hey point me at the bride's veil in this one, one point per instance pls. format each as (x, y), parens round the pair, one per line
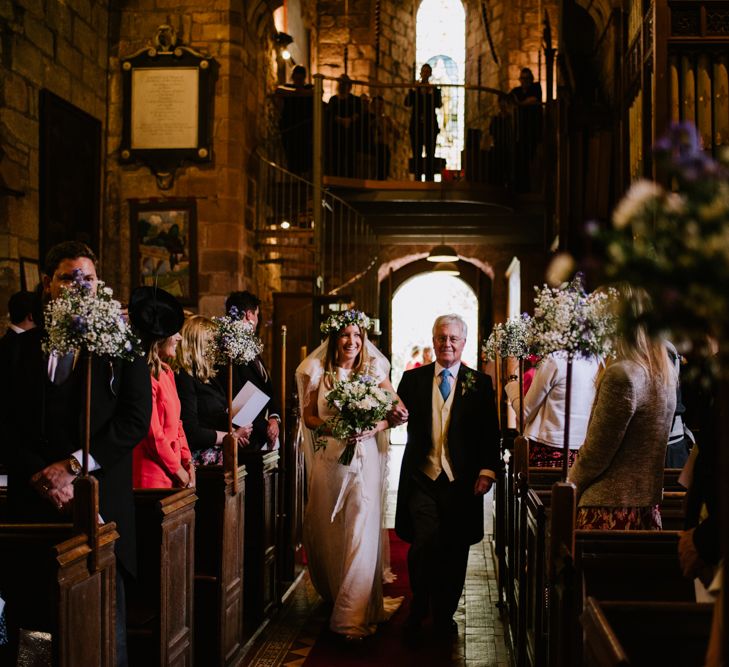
(309, 374)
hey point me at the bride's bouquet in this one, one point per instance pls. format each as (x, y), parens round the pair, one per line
(360, 404)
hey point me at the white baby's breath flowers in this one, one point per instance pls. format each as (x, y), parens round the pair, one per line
(641, 194)
(234, 341)
(512, 339)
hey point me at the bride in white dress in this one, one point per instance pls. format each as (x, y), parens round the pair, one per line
(343, 533)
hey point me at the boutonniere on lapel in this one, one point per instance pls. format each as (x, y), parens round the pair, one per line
(468, 382)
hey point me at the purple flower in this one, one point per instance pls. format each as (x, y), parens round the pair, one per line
(233, 312)
(79, 324)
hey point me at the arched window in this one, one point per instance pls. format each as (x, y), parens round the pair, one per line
(441, 42)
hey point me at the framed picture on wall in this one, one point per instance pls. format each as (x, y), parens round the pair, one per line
(164, 246)
(29, 274)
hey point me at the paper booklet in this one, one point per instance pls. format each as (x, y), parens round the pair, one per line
(248, 403)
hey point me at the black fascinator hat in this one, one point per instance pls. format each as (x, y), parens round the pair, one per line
(155, 313)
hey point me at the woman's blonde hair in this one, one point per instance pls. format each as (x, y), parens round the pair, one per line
(639, 346)
(154, 360)
(361, 363)
(192, 355)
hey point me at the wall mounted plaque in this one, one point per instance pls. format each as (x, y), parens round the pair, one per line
(168, 107)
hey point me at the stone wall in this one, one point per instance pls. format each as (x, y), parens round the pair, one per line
(239, 37)
(60, 46)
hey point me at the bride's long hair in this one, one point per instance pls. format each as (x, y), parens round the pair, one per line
(361, 363)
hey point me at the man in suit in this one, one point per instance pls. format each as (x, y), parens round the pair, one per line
(266, 424)
(20, 312)
(448, 465)
(42, 443)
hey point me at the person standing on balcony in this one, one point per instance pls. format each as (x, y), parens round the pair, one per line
(296, 117)
(528, 98)
(424, 100)
(344, 117)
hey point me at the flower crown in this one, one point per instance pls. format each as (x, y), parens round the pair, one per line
(338, 321)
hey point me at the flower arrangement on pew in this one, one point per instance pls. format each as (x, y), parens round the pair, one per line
(360, 405)
(234, 341)
(91, 321)
(568, 320)
(512, 339)
(675, 243)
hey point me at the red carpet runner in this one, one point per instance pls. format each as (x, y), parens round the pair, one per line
(388, 647)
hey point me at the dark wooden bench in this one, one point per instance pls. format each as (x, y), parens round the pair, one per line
(260, 589)
(160, 601)
(219, 548)
(609, 565)
(53, 584)
(644, 634)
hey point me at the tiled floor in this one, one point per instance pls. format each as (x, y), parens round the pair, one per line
(288, 638)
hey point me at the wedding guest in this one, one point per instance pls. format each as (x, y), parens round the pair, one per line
(427, 356)
(266, 425)
(424, 100)
(528, 98)
(619, 470)
(204, 404)
(44, 414)
(344, 114)
(414, 361)
(343, 532)
(545, 405)
(20, 313)
(162, 458)
(296, 103)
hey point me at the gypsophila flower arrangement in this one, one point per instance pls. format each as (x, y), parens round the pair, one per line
(567, 319)
(360, 405)
(512, 339)
(234, 341)
(84, 319)
(674, 242)
(338, 321)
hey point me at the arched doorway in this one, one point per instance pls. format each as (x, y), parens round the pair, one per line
(441, 42)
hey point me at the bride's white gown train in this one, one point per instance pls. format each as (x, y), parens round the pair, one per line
(343, 531)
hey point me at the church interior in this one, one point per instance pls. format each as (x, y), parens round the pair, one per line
(407, 159)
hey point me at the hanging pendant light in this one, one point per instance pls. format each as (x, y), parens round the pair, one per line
(447, 268)
(443, 253)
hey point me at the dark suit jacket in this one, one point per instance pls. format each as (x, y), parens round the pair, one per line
(473, 442)
(121, 409)
(249, 372)
(204, 410)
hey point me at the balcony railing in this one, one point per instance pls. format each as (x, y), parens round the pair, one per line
(408, 132)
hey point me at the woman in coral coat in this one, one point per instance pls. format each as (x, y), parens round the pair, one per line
(162, 459)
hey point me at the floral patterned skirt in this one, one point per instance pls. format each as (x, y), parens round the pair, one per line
(212, 456)
(544, 456)
(619, 518)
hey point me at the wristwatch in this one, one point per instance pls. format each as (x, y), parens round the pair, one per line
(74, 466)
(512, 378)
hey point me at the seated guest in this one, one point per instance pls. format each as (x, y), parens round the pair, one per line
(162, 459)
(265, 425)
(544, 407)
(42, 438)
(204, 403)
(619, 470)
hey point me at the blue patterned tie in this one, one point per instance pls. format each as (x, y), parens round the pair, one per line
(445, 383)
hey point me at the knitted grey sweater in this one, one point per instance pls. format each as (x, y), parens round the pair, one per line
(621, 462)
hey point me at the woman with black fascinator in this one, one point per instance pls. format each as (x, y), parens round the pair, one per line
(162, 459)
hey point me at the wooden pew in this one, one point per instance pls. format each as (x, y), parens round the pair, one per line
(160, 602)
(47, 576)
(260, 589)
(219, 544)
(643, 634)
(606, 564)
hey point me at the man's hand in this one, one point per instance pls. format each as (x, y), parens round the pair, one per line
(61, 499)
(482, 486)
(243, 433)
(272, 430)
(55, 476)
(398, 415)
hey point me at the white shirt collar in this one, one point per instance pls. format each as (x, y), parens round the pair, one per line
(453, 370)
(17, 330)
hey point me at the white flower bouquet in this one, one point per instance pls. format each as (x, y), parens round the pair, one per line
(513, 339)
(81, 319)
(360, 405)
(567, 319)
(234, 341)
